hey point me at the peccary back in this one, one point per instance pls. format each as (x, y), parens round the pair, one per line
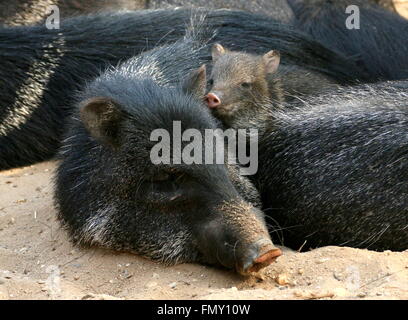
(334, 171)
(379, 40)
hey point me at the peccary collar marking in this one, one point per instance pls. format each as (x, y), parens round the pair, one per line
(30, 93)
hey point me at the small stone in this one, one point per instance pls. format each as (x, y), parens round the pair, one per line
(301, 271)
(362, 295)
(40, 282)
(282, 279)
(322, 260)
(76, 277)
(173, 285)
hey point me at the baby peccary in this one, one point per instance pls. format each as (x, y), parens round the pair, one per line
(242, 84)
(110, 194)
(333, 170)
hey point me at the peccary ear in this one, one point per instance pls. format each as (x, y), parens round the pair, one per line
(271, 61)
(102, 118)
(196, 82)
(217, 51)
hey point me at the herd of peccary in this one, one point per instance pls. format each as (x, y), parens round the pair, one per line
(329, 103)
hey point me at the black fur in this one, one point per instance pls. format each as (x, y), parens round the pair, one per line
(28, 12)
(381, 43)
(41, 69)
(334, 170)
(109, 193)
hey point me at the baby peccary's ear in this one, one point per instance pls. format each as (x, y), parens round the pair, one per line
(217, 51)
(102, 118)
(196, 82)
(271, 61)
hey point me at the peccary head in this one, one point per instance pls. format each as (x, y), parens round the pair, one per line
(239, 86)
(110, 193)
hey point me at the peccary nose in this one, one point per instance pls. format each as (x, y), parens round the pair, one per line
(259, 255)
(212, 100)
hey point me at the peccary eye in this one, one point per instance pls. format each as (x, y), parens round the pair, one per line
(211, 82)
(246, 85)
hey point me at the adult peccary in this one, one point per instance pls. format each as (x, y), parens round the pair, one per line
(28, 12)
(41, 69)
(240, 83)
(333, 169)
(109, 193)
(376, 37)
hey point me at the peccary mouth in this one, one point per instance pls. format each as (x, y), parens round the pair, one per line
(226, 110)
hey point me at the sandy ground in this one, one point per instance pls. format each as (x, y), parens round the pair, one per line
(402, 7)
(38, 262)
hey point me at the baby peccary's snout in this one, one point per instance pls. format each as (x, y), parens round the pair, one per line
(237, 238)
(212, 100)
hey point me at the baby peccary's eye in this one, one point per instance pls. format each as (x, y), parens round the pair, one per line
(211, 82)
(246, 85)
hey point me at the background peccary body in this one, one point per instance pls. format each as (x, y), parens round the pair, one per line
(379, 41)
(277, 9)
(109, 192)
(28, 12)
(241, 83)
(334, 170)
(388, 4)
(41, 69)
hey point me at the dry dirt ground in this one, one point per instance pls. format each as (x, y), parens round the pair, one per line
(38, 262)
(402, 7)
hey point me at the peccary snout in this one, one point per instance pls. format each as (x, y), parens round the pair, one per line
(237, 239)
(212, 100)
